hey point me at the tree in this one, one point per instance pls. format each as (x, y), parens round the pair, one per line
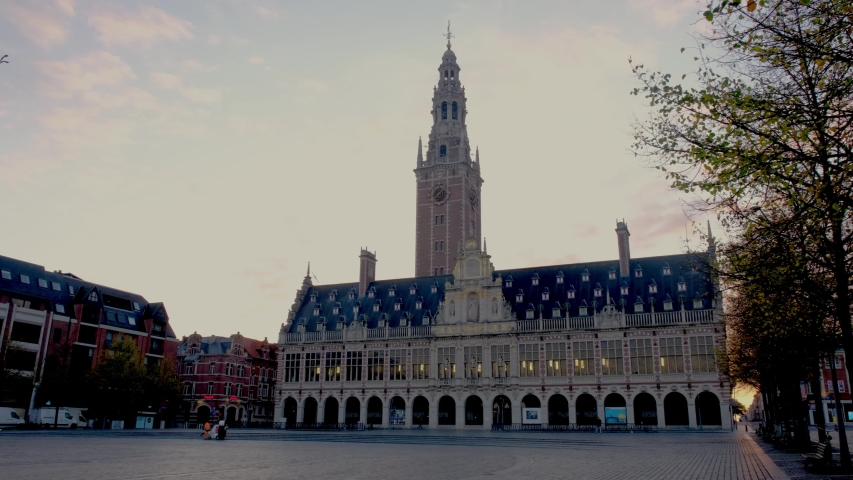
(767, 125)
(119, 378)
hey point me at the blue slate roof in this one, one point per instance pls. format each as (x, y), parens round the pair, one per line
(684, 268)
(56, 292)
(346, 298)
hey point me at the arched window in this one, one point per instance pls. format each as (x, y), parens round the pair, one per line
(455, 115)
(445, 74)
(442, 151)
(451, 74)
(444, 110)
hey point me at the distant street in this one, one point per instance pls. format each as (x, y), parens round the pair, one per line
(379, 455)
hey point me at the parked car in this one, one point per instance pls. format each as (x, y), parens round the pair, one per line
(10, 417)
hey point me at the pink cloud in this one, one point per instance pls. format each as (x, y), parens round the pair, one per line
(65, 6)
(40, 25)
(144, 28)
(84, 74)
(267, 13)
(666, 14)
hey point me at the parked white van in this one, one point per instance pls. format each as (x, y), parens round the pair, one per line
(46, 416)
(11, 417)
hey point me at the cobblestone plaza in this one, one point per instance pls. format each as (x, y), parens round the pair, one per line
(382, 455)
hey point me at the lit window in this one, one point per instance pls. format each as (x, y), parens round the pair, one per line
(7, 275)
(60, 308)
(42, 283)
(25, 279)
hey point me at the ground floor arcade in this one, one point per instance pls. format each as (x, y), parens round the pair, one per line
(468, 408)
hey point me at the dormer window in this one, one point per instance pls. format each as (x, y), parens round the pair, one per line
(598, 290)
(316, 311)
(653, 288)
(667, 271)
(535, 279)
(371, 293)
(697, 303)
(425, 320)
(624, 290)
(336, 309)
(382, 322)
(638, 272)
(351, 295)
(519, 297)
(611, 275)
(313, 297)
(556, 312)
(333, 295)
(93, 297)
(682, 287)
(638, 305)
(413, 290)
(419, 304)
(529, 314)
(377, 306)
(509, 282)
(582, 310)
(667, 304)
(404, 321)
(560, 278)
(546, 295)
(434, 288)
(397, 307)
(585, 276)
(392, 292)
(571, 293)
(356, 308)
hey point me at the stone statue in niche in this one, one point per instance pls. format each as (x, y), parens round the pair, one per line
(494, 306)
(452, 308)
(473, 307)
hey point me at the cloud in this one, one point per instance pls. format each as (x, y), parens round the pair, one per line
(256, 60)
(65, 6)
(665, 14)
(166, 81)
(312, 85)
(267, 13)
(40, 26)
(197, 66)
(85, 74)
(145, 28)
(214, 39)
(202, 96)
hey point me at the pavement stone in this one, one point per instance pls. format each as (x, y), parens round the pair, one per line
(379, 455)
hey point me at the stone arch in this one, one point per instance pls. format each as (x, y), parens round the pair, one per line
(675, 410)
(645, 410)
(708, 410)
(397, 411)
(474, 410)
(288, 410)
(309, 410)
(420, 411)
(374, 411)
(586, 409)
(558, 410)
(446, 410)
(231, 416)
(330, 411)
(352, 412)
(615, 409)
(502, 410)
(202, 414)
(531, 401)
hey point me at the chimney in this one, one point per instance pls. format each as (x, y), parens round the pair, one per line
(624, 248)
(366, 270)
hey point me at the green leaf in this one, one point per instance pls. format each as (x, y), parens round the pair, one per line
(709, 15)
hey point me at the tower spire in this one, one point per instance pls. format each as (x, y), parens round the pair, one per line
(420, 152)
(478, 154)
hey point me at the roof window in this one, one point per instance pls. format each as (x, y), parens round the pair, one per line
(509, 282)
(60, 308)
(71, 289)
(371, 293)
(392, 292)
(55, 286)
(25, 279)
(519, 297)
(332, 295)
(131, 320)
(397, 306)
(555, 311)
(529, 313)
(546, 295)
(42, 283)
(535, 279)
(666, 270)
(336, 309)
(653, 288)
(571, 292)
(93, 297)
(598, 291)
(638, 272)
(136, 307)
(585, 275)
(413, 290)
(697, 303)
(434, 288)
(611, 274)
(667, 303)
(420, 303)
(6, 274)
(638, 305)
(377, 306)
(316, 311)
(582, 309)
(560, 278)
(682, 287)
(351, 294)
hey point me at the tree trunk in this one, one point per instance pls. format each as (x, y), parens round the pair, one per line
(817, 388)
(839, 417)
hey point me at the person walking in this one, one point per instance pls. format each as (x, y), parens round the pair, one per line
(206, 433)
(220, 434)
(597, 424)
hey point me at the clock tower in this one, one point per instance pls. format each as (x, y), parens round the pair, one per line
(448, 179)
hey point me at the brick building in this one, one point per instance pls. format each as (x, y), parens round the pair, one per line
(230, 378)
(46, 315)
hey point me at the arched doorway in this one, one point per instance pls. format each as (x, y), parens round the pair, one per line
(474, 410)
(587, 409)
(558, 410)
(374, 411)
(309, 411)
(202, 414)
(531, 401)
(645, 410)
(330, 411)
(289, 411)
(708, 410)
(230, 416)
(675, 410)
(397, 411)
(446, 411)
(353, 412)
(420, 411)
(502, 410)
(240, 416)
(615, 410)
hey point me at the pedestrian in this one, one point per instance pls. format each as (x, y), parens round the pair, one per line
(206, 433)
(597, 424)
(222, 428)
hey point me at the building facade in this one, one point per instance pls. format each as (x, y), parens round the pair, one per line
(50, 317)
(462, 345)
(227, 378)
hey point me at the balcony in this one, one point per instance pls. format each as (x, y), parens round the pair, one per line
(529, 380)
(445, 382)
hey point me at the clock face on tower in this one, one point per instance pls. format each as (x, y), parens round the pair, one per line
(439, 194)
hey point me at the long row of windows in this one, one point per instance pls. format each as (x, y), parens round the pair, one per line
(640, 354)
(229, 389)
(192, 369)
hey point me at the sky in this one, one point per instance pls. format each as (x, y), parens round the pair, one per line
(201, 153)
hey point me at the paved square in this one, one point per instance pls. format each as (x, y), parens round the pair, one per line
(379, 455)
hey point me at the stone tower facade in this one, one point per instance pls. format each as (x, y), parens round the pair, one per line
(448, 179)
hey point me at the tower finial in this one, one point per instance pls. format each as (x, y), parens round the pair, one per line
(420, 152)
(308, 274)
(478, 154)
(485, 247)
(448, 35)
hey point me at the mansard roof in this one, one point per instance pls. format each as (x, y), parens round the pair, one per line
(686, 266)
(408, 303)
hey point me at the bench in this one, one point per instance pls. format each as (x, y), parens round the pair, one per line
(821, 457)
